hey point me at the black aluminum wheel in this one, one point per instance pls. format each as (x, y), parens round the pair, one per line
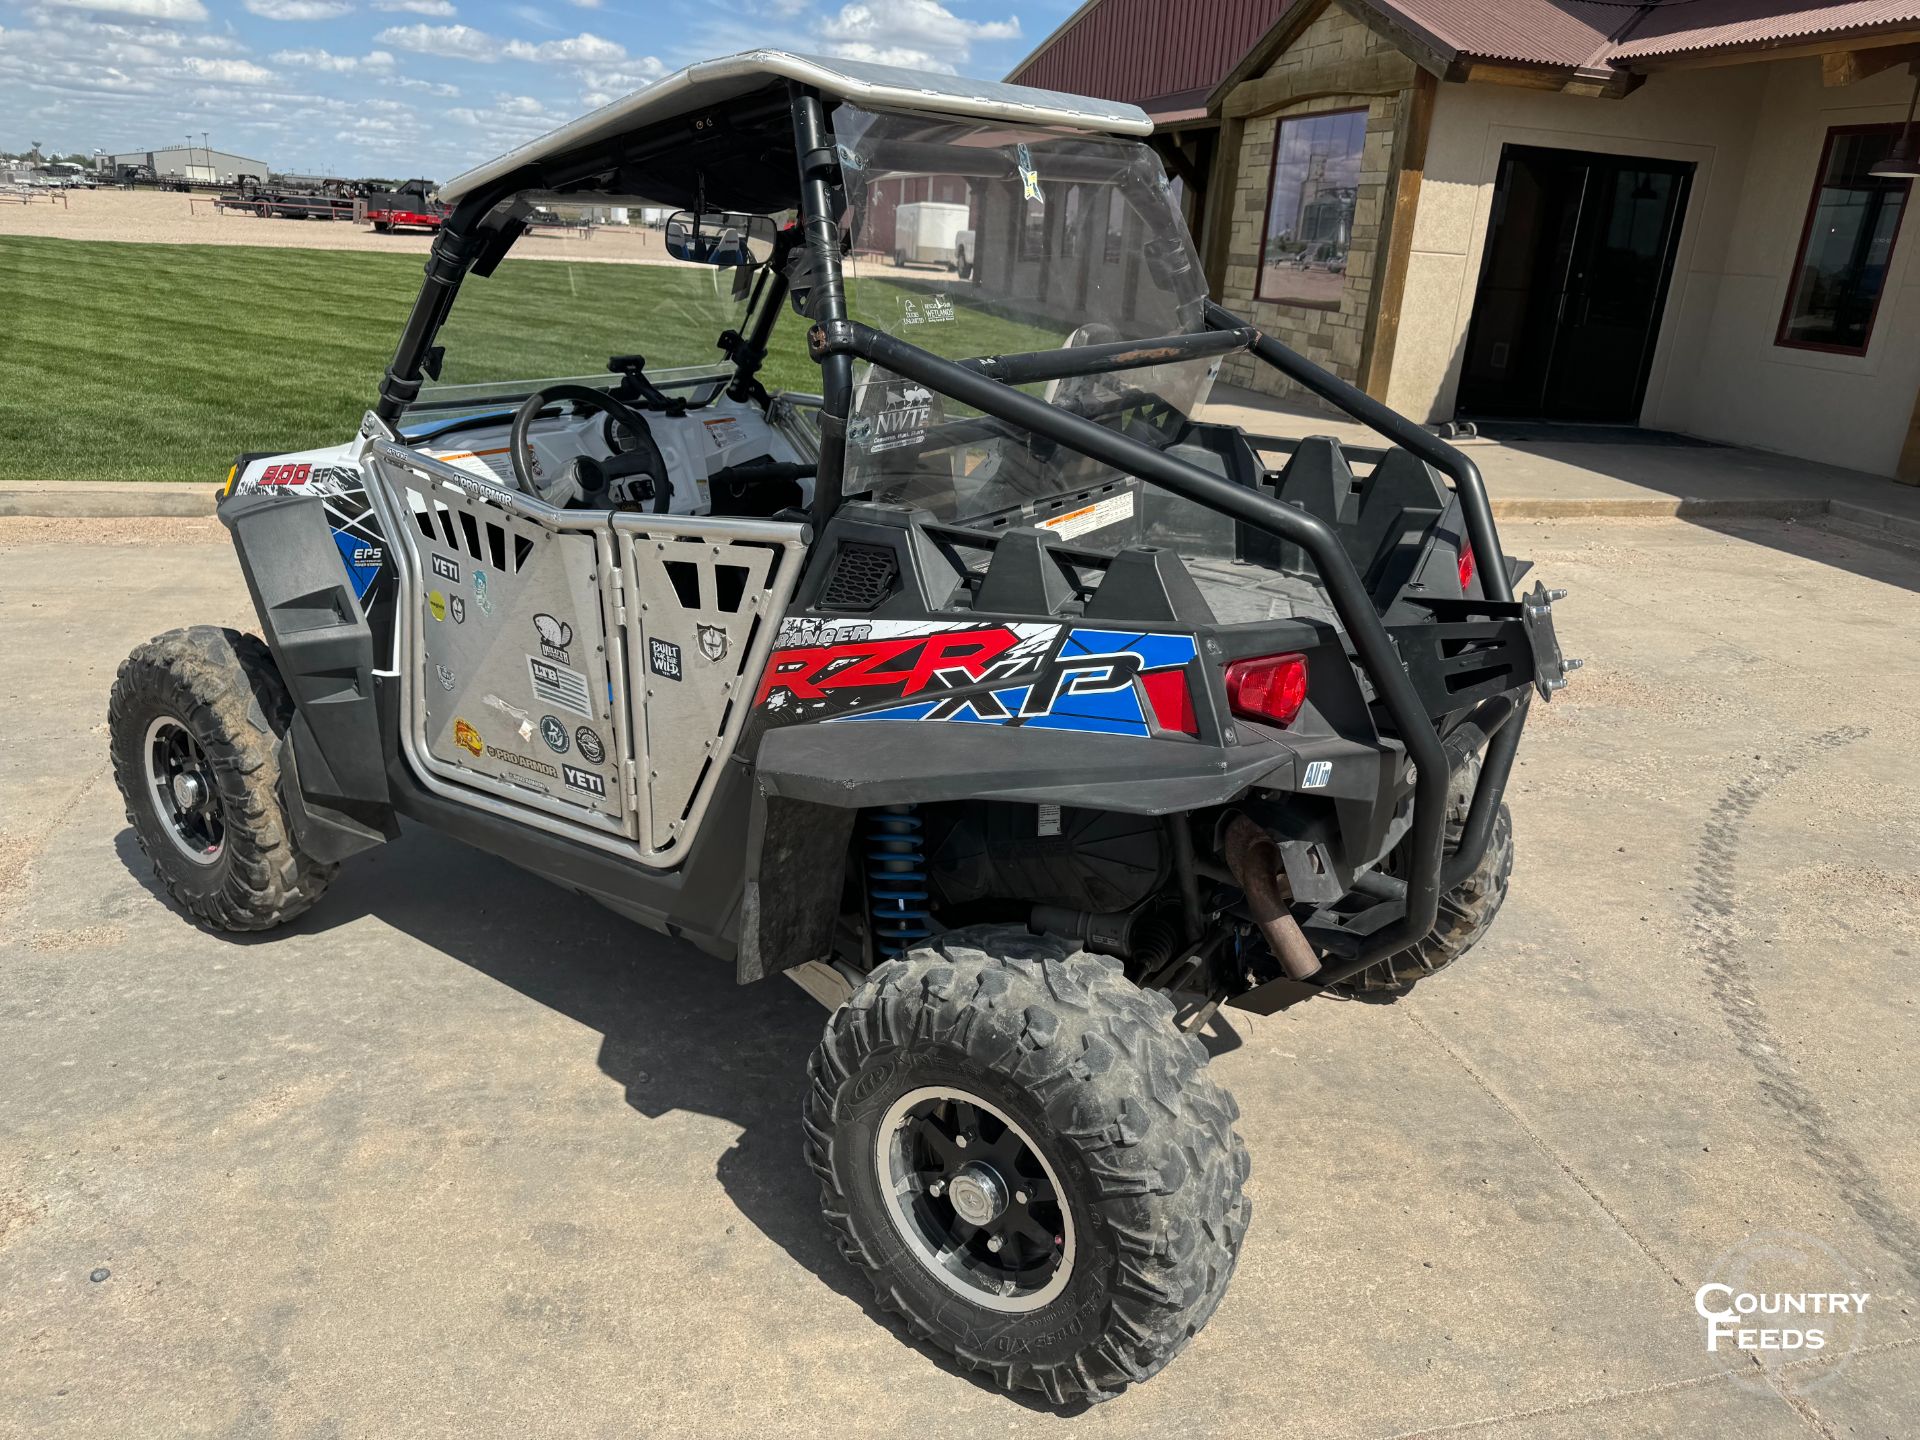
(1069, 1086)
(974, 1198)
(186, 801)
(195, 722)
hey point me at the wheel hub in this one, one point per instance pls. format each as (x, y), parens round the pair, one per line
(187, 791)
(978, 1194)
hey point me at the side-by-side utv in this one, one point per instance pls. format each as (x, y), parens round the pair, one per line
(926, 649)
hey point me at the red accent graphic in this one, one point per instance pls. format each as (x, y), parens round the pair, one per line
(286, 474)
(1171, 700)
(905, 665)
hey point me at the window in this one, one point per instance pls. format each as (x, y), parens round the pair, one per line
(1847, 245)
(1316, 178)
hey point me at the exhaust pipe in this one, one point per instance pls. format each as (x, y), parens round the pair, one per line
(1255, 862)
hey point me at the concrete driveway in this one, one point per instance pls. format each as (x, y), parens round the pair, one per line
(461, 1153)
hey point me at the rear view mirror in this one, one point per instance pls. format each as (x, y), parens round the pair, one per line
(720, 238)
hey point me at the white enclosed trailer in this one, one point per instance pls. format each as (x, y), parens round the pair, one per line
(923, 232)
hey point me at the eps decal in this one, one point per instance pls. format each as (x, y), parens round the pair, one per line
(1039, 676)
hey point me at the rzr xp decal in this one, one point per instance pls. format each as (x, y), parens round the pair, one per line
(1047, 677)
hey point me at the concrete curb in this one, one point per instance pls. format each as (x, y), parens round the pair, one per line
(106, 499)
(132, 499)
(1653, 507)
(1904, 528)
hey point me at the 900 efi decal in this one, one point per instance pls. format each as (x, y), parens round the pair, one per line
(343, 491)
(1045, 676)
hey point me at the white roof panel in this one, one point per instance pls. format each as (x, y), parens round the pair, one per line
(714, 82)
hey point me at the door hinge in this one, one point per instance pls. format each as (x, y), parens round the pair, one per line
(619, 598)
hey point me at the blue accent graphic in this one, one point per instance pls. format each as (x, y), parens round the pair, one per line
(361, 559)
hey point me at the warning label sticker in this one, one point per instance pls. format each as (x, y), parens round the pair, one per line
(1110, 511)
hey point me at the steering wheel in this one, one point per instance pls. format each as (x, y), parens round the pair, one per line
(586, 478)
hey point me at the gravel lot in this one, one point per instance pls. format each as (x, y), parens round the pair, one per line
(161, 217)
(461, 1153)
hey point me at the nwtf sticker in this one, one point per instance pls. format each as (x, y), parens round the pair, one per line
(560, 687)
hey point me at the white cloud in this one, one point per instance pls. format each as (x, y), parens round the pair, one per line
(374, 61)
(299, 9)
(587, 4)
(902, 57)
(463, 42)
(439, 9)
(460, 42)
(231, 72)
(144, 9)
(581, 49)
(918, 34)
(616, 80)
(430, 87)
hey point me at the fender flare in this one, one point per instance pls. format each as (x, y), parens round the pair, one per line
(311, 619)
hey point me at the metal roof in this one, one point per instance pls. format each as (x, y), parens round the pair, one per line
(1716, 24)
(714, 82)
(1163, 55)
(1609, 34)
(1535, 32)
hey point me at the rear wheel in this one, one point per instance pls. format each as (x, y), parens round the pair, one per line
(1466, 911)
(194, 719)
(1029, 1160)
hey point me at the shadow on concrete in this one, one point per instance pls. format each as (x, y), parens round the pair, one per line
(677, 1032)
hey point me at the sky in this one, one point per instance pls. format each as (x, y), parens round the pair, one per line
(425, 87)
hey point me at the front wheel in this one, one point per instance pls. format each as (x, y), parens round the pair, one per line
(194, 722)
(1029, 1160)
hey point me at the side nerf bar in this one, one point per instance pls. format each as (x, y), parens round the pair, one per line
(1351, 602)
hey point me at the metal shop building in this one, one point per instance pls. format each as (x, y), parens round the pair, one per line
(195, 163)
(1685, 216)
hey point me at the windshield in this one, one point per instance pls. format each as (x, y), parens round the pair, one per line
(586, 282)
(971, 239)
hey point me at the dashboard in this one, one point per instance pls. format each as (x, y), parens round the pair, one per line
(696, 447)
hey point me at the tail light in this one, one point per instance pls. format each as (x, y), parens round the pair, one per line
(1466, 566)
(1270, 688)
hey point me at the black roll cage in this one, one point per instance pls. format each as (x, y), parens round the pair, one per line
(986, 383)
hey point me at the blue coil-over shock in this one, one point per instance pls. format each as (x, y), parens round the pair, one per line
(896, 880)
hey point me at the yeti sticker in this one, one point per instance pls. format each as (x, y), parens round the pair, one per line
(713, 642)
(555, 636)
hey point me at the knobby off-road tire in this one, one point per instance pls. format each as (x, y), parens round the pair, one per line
(1118, 1104)
(1466, 911)
(221, 688)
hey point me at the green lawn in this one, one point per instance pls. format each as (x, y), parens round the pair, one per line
(163, 362)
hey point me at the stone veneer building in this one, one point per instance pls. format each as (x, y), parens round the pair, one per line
(1686, 217)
